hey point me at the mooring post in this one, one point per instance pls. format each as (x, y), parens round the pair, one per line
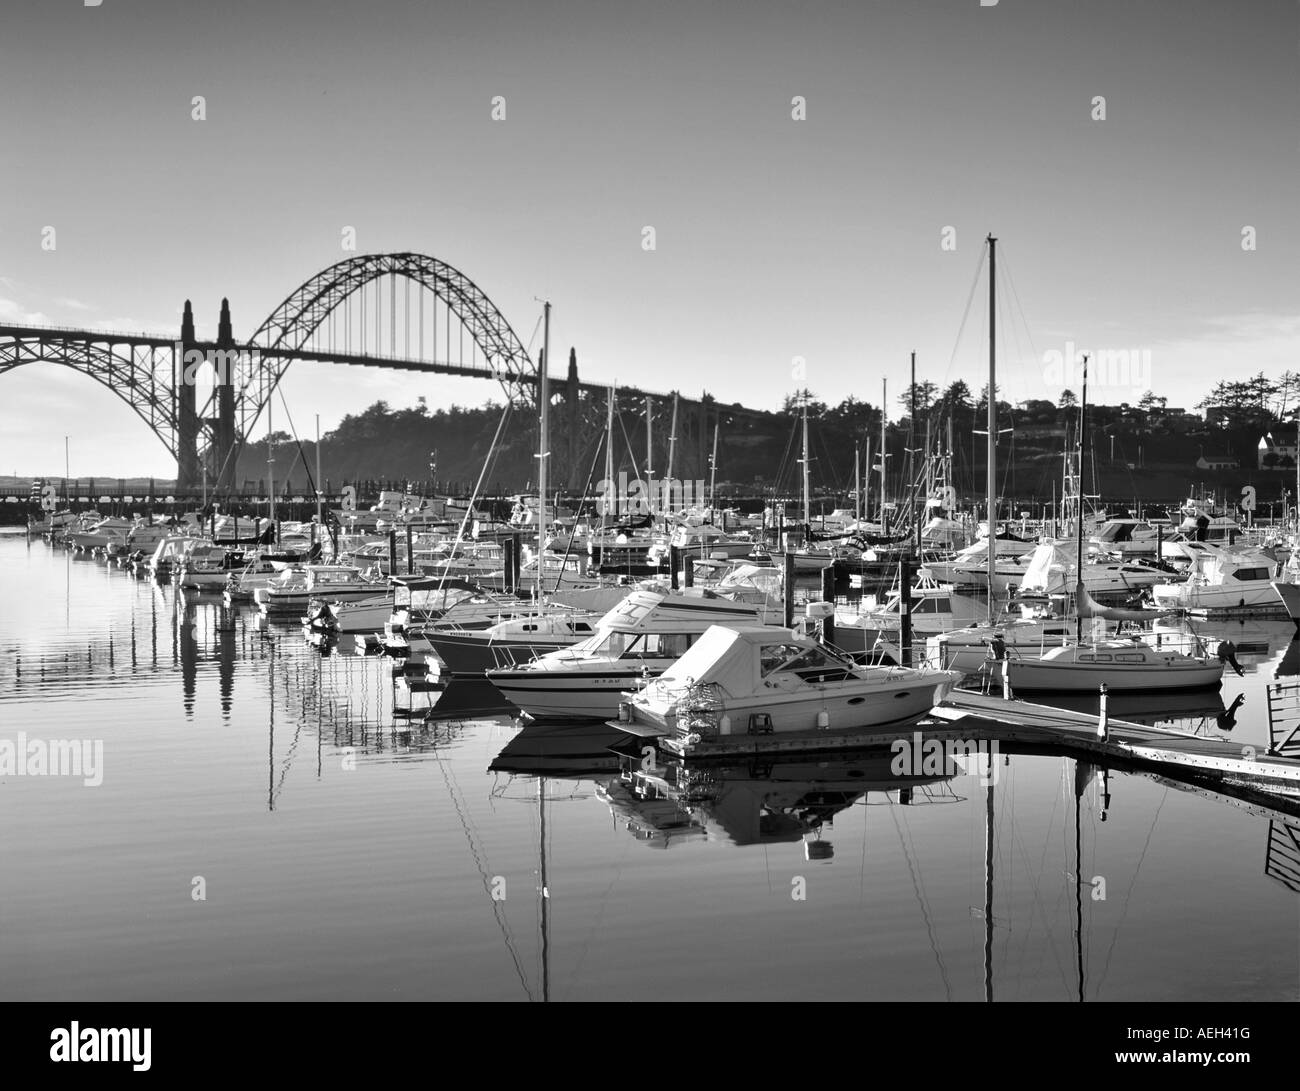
(905, 610)
(410, 551)
(392, 553)
(688, 570)
(787, 588)
(828, 597)
(674, 560)
(515, 562)
(1103, 720)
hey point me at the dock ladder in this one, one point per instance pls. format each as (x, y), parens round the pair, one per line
(1284, 719)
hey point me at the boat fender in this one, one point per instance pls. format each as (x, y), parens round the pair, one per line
(1227, 653)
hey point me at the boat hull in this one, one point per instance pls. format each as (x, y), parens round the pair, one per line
(1040, 676)
(568, 695)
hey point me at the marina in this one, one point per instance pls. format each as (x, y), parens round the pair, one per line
(627, 504)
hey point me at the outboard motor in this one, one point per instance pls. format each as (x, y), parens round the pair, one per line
(1227, 653)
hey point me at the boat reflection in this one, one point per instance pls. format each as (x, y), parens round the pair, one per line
(758, 803)
(1188, 710)
(1256, 640)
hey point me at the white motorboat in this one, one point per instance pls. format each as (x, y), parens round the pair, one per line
(510, 641)
(1223, 580)
(762, 680)
(968, 568)
(637, 640)
(1125, 538)
(105, 533)
(204, 567)
(1053, 570)
(291, 591)
(935, 609)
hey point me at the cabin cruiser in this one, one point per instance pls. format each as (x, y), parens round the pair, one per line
(204, 567)
(638, 639)
(968, 568)
(107, 532)
(291, 591)
(1125, 538)
(1052, 570)
(759, 680)
(1199, 524)
(935, 609)
(510, 641)
(1223, 579)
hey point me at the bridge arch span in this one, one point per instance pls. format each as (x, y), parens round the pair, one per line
(292, 325)
(142, 377)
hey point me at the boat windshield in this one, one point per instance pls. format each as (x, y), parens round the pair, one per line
(775, 658)
(644, 645)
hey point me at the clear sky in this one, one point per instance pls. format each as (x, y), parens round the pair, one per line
(775, 238)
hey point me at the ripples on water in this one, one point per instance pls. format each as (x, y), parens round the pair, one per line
(351, 848)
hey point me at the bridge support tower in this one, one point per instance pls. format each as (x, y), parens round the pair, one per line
(187, 418)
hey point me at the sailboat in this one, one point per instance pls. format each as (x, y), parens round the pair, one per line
(970, 647)
(1121, 664)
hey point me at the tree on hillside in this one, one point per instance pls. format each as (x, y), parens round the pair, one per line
(1067, 400)
(926, 392)
(792, 404)
(1150, 402)
(956, 399)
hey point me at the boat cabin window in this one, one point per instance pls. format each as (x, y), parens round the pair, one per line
(1089, 658)
(1251, 574)
(1130, 657)
(656, 646)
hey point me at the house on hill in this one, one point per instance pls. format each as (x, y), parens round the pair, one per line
(1216, 462)
(1274, 453)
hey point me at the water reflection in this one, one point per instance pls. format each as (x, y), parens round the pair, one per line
(307, 782)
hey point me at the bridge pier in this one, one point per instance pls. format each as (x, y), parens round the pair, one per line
(187, 418)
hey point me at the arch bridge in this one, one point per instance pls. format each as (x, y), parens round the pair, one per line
(405, 311)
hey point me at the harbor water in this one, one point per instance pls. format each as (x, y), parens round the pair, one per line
(278, 821)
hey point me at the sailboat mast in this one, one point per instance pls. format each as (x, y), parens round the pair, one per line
(911, 455)
(543, 435)
(807, 500)
(319, 487)
(992, 483)
(713, 463)
(611, 490)
(866, 479)
(649, 455)
(672, 439)
(270, 465)
(1078, 522)
(857, 484)
(884, 447)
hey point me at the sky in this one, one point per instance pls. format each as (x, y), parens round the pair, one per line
(776, 239)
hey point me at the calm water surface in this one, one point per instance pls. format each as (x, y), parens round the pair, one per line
(348, 849)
